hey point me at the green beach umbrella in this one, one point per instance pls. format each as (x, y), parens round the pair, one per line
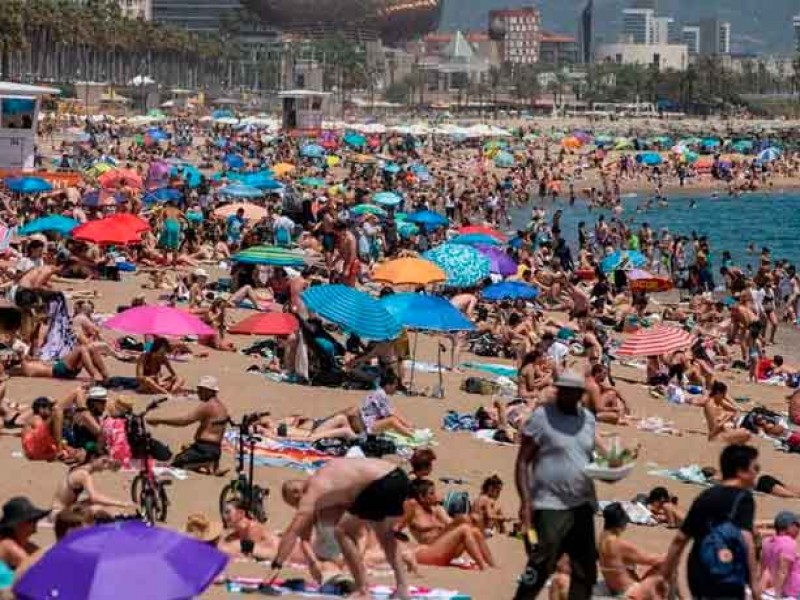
(270, 255)
(368, 209)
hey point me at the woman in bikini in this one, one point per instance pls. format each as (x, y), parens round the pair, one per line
(534, 376)
(722, 417)
(440, 539)
(79, 479)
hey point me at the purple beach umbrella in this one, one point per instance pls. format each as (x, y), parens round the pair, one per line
(126, 560)
(501, 263)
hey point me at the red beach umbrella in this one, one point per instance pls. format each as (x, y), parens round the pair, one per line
(655, 341)
(269, 323)
(483, 230)
(108, 231)
(130, 220)
(117, 178)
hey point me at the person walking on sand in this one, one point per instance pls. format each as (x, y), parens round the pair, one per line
(722, 562)
(557, 499)
(370, 489)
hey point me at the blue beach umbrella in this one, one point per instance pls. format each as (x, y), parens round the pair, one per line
(312, 151)
(355, 140)
(157, 135)
(424, 312)
(392, 168)
(649, 158)
(97, 198)
(427, 218)
(368, 209)
(28, 185)
(387, 198)
(475, 239)
(52, 223)
(237, 190)
(464, 265)
(769, 154)
(742, 146)
(162, 195)
(354, 311)
(625, 260)
(406, 229)
(234, 161)
(504, 160)
(188, 173)
(509, 290)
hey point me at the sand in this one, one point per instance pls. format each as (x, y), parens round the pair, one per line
(460, 455)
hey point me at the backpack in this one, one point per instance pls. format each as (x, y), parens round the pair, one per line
(457, 503)
(722, 551)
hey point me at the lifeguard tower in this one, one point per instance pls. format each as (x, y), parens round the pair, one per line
(19, 116)
(302, 111)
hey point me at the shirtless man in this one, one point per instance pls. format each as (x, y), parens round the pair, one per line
(245, 536)
(348, 253)
(721, 416)
(372, 490)
(603, 399)
(211, 417)
(619, 559)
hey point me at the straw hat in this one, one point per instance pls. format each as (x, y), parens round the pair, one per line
(201, 528)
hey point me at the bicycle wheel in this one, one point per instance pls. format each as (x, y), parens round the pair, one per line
(257, 500)
(230, 493)
(136, 489)
(149, 505)
(162, 503)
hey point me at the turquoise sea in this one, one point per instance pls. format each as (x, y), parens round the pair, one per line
(730, 223)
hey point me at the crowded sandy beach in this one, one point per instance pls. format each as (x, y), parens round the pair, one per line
(382, 360)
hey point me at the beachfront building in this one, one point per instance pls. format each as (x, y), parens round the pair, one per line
(638, 25)
(796, 23)
(713, 37)
(691, 37)
(137, 9)
(521, 31)
(557, 49)
(661, 56)
(194, 15)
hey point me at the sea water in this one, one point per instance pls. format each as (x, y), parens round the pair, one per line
(729, 223)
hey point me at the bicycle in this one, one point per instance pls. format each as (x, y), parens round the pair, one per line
(147, 491)
(243, 489)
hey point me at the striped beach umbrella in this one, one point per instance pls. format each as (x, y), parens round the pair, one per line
(354, 311)
(655, 341)
(270, 255)
(463, 265)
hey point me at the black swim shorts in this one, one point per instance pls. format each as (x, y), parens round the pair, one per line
(767, 483)
(197, 455)
(382, 498)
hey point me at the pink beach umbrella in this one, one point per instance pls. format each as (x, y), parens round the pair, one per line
(158, 320)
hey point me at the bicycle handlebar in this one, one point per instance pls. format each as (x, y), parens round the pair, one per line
(152, 406)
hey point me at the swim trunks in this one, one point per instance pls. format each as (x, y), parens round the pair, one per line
(767, 483)
(382, 498)
(197, 455)
(62, 371)
(171, 234)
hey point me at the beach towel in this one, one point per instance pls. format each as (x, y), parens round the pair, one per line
(658, 426)
(422, 366)
(687, 474)
(422, 439)
(299, 456)
(637, 512)
(455, 421)
(492, 368)
(311, 590)
(487, 435)
(60, 338)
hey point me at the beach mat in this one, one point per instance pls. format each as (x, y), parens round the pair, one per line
(274, 453)
(378, 592)
(491, 368)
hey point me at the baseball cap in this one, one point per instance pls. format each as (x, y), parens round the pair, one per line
(209, 382)
(785, 518)
(570, 379)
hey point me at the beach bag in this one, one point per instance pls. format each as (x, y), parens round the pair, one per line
(331, 446)
(723, 553)
(457, 503)
(377, 446)
(479, 385)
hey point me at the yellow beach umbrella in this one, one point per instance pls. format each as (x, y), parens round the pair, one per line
(333, 161)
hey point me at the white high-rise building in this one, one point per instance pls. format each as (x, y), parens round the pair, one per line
(724, 38)
(137, 9)
(691, 37)
(796, 23)
(637, 25)
(663, 31)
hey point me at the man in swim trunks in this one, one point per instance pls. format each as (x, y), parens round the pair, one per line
(370, 489)
(212, 418)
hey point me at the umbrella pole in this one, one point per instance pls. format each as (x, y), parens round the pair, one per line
(413, 363)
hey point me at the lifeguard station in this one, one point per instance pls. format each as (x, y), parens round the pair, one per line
(19, 116)
(302, 111)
